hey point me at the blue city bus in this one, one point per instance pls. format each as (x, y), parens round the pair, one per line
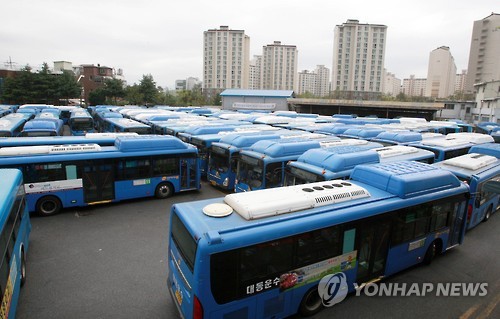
(60, 176)
(204, 140)
(263, 165)
(476, 170)
(388, 138)
(492, 149)
(12, 125)
(100, 114)
(263, 254)
(15, 231)
(453, 145)
(224, 155)
(124, 125)
(102, 139)
(81, 122)
(361, 133)
(43, 127)
(338, 162)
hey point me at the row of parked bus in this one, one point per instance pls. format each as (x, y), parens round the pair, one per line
(358, 204)
(45, 120)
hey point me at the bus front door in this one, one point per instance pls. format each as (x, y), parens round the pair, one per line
(98, 183)
(373, 247)
(189, 173)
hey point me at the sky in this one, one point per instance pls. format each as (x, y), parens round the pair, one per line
(165, 38)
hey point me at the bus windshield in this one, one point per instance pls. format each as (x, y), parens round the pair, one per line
(219, 159)
(250, 171)
(296, 176)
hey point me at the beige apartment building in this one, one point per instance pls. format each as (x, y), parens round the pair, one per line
(441, 73)
(225, 58)
(279, 67)
(358, 57)
(484, 56)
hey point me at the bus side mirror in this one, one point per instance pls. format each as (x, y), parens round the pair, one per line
(477, 202)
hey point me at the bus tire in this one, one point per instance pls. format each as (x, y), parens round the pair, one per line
(164, 190)
(48, 206)
(23, 268)
(311, 303)
(433, 250)
(488, 214)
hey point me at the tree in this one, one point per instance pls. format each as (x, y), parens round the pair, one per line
(114, 89)
(133, 95)
(67, 87)
(41, 87)
(97, 96)
(147, 88)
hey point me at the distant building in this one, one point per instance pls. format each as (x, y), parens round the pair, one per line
(484, 61)
(225, 59)
(460, 82)
(414, 86)
(487, 102)
(61, 66)
(316, 82)
(92, 77)
(256, 100)
(323, 84)
(392, 85)
(279, 66)
(188, 84)
(456, 110)
(255, 73)
(358, 57)
(441, 73)
(307, 82)
(180, 85)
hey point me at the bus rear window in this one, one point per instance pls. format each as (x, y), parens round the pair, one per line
(184, 241)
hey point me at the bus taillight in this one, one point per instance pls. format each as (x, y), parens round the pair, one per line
(197, 309)
(469, 212)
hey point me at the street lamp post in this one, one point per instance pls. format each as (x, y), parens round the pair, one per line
(82, 91)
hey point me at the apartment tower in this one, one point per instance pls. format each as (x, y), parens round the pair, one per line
(358, 57)
(279, 67)
(225, 59)
(441, 73)
(484, 55)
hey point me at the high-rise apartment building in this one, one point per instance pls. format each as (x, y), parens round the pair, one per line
(225, 58)
(307, 82)
(441, 73)
(484, 61)
(255, 73)
(414, 86)
(358, 57)
(323, 85)
(392, 85)
(460, 80)
(279, 67)
(316, 82)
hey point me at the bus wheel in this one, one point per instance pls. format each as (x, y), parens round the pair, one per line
(488, 214)
(48, 205)
(164, 190)
(430, 253)
(311, 303)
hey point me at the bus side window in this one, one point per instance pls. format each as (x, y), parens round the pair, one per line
(71, 172)
(349, 239)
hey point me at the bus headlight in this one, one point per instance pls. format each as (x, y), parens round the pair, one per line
(226, 182)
